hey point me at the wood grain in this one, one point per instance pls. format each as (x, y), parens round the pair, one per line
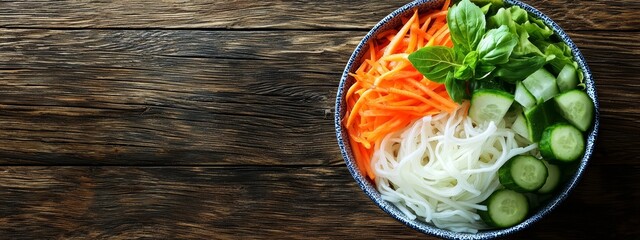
(232, 203)
(174, 97)
(169, 97)
(248, 14)
(214, 120)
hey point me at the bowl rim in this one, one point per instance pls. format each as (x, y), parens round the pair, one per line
(370, 190)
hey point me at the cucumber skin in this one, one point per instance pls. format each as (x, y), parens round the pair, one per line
(506, 179)
(536, 127)
(545, 145)
(484, 215)
(504, 175)
(546, 115)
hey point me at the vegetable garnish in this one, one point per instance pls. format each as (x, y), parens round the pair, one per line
(491, 46)
(479, 164)
(389, 93)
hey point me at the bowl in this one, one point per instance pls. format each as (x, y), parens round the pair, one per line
(393, 20)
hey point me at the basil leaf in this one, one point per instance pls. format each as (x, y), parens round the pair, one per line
(459, 54)
(466, 25)
(484, 71)
(464, 73)
(455, 88)
(496, 46)
(434, 62)
(519, 67)
(468, 68)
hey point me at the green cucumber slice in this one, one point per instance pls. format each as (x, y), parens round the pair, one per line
(542, 85)
(505, 208)
(553, 179)
(576, 107)
(567, 78)
(523, 96)
(520, 126)
(489, 105)
(523, 173)
(562, 142)
(538, 118)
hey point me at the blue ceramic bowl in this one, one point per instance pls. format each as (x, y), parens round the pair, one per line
(393, 20)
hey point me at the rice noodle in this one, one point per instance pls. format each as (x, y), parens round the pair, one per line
(440, 168)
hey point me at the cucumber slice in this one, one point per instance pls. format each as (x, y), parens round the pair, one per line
(536, 122)
(505, 208)
(567, 78)
(553, 179)
(538, 118)
(562, 142)
(542, 85)
(523, 173)
(576, 107)
(489, 105)
(523, 96)
(520, 126)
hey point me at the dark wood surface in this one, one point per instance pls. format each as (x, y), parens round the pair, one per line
(214, 119)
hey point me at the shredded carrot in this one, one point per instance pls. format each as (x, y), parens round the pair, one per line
(446, 5)
(389, 93)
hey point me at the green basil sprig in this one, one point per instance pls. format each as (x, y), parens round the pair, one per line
(493, 46)
(434, 62)
(466, 25)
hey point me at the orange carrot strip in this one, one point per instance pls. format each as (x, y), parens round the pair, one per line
(425, 24)
(386, 75)
(396, 57)
(448, 42)
(436, 26)
(386, 33)
(400, 35)
(418, 97)
(399, 108)
(439, 34)
(372, 51)
(352, 89)
(446, 5)
(438, 14)
(406, 102)
(442, 37)
(357, 106)
(413, 36)
(432, 94)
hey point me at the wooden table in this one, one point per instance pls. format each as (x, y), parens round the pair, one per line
(191, 119)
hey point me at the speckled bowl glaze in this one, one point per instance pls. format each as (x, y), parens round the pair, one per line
(393, 20)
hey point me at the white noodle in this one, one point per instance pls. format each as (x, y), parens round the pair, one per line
(442, 167)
